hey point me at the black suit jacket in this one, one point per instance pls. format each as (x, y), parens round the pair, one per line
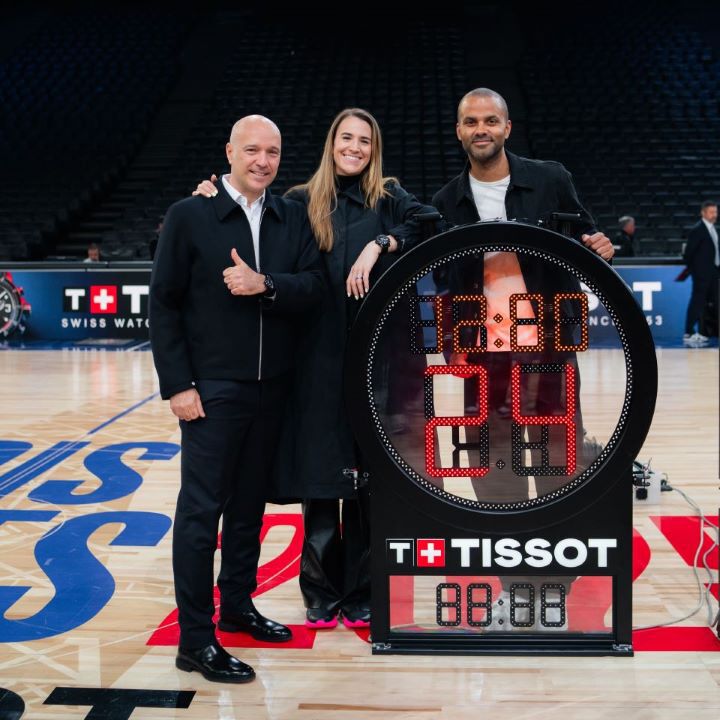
(628, 246)
(699, 253)
(537, 189)
(198, 329)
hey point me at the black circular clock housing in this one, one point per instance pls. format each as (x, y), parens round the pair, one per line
(484, 409)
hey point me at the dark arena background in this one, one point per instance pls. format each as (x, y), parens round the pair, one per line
(111, 113)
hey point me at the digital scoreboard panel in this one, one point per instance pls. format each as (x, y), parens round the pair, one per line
(499, 444)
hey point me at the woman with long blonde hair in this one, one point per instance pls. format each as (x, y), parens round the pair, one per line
(361, 221)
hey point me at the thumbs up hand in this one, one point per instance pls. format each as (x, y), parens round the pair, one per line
(237, 259)
(241, 279)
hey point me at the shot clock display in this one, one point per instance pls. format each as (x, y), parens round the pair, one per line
(499, 444)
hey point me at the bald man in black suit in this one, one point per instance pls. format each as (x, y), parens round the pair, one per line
(230, 280)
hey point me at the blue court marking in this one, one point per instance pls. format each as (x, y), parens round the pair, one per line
(122, 414)
(59, 452)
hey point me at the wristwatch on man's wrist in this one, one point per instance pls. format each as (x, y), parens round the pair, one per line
(269, 286)
(383, 242)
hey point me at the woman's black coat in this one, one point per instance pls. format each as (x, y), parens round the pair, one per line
(317, 447)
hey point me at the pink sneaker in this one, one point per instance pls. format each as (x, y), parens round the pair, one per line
(320, 619)
(356, 617)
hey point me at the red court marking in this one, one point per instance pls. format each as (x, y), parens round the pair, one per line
(363, 634)
(676, 639)
(303, 638)
(592, 596)
(641, 555)
(286, 565)
(683, 533)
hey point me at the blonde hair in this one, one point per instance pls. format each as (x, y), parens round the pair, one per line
(320, 188)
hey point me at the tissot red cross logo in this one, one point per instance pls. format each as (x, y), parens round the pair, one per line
(103, 299)
(430, 552)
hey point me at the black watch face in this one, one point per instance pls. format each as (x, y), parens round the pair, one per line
(485, 386)
(383, 241)
(10, 308)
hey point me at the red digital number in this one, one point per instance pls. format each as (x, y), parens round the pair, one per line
(463, 371)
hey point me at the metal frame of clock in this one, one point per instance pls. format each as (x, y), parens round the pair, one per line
(499, 525)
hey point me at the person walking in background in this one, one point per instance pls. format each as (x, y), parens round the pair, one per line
(702, 258)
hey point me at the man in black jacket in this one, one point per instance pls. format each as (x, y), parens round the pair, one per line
(230, 277)
(626, 244)
(702, 258)
(498, 185)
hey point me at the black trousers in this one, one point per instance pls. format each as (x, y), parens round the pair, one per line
(224, 470)
(704, 292)
(335, 563)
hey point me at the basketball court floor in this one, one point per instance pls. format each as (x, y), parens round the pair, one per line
(89, 472)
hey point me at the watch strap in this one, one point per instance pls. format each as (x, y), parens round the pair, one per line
(269, 286)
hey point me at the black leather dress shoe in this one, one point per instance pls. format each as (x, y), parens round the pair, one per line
(214, 663)
(253, 623)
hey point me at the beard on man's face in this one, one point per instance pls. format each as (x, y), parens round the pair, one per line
(484, 154)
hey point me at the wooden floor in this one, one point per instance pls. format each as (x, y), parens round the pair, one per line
(101, 565)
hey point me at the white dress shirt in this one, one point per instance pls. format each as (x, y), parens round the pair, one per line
(254, 214)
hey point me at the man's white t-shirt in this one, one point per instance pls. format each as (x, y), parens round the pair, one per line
(502, 276)
(490, 198)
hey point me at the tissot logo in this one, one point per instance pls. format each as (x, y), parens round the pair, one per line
(106, 299)
(498, 553)
(430, 552)
(103, 299)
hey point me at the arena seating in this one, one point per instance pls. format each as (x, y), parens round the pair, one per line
(281, 70)
(91, 152)
(77, 98)
(629, 103)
